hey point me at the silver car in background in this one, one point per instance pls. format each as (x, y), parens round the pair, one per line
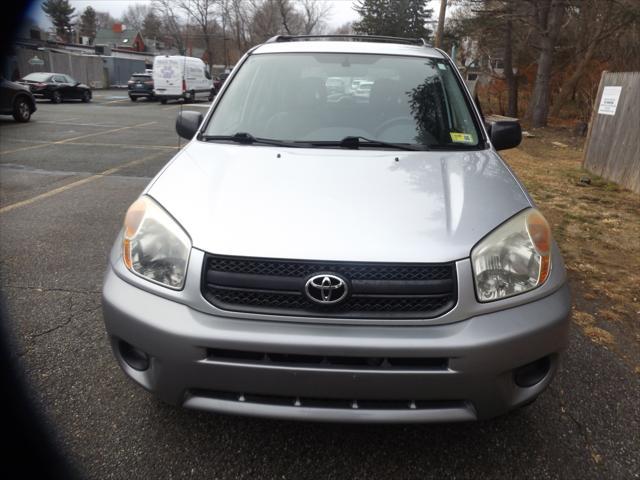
(320, 255)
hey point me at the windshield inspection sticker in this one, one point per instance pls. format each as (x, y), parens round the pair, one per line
(461, 137)
(609, 100)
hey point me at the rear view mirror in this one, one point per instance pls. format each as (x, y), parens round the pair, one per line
(505, 134)
(187, 123)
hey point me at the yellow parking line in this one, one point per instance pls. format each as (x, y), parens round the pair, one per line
(95, 144)
(67, 140)
(77, 183)
(102, 133)
(125, 145)
(117, 101)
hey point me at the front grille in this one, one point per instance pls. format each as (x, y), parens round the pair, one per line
(351, 270)
(374, 290)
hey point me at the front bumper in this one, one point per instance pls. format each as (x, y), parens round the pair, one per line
(173, 95)
(477, 382)
(141, 93)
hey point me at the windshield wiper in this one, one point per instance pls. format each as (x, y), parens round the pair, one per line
(357, 142)
(248, 139)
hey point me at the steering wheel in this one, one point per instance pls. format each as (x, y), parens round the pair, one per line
(392, 122)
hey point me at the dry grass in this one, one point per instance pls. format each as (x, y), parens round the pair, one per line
(597, 227)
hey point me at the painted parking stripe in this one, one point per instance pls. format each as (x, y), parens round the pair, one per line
(95, 144)
(77, 183)
(67, 140)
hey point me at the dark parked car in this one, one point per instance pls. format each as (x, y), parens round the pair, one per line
(16, 100)
(141, 85)
(56, 87)
(218, 82)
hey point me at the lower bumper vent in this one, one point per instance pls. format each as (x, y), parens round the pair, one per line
(331, 403)
(327, 362)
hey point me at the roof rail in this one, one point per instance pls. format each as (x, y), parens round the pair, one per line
(353, 38)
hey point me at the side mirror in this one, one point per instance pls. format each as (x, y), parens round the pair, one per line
(505, 134)
(187, 123)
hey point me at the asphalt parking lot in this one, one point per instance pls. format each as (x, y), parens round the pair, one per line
(66, 179)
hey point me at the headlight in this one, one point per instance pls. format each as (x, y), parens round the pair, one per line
(514, 258)
(154, 245)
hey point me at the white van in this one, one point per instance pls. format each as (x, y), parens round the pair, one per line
(181, 77)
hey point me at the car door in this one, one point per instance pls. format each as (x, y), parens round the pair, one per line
(61, 85)
(6, 96)
(207, 80)
(190, 78)
(72, 85)
(202, 78)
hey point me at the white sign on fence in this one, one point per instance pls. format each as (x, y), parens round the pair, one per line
(609, 100)
(35, 61)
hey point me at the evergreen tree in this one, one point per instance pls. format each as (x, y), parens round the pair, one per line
(398, 18)
(88, 22)
(417, 15)
(61, 13)
(373, 16)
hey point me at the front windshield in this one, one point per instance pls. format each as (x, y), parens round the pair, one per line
(38, 77)
(325, 97)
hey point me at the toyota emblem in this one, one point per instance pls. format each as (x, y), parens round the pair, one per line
(326, 289)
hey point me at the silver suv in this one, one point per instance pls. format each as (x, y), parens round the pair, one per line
(341, 254)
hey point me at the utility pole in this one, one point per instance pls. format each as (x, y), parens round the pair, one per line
(440, 30)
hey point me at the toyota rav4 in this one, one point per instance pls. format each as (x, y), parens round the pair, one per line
(339, 254)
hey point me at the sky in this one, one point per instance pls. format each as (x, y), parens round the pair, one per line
(341, 10)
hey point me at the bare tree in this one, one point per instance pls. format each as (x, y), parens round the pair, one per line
(237, 15)
(547, 21)
(104, 20)
(266, 20)
(171, 23)
(290, 18)
(203, 13)
(134, 16)
(597, 21)
(344, 29)
(314, 14)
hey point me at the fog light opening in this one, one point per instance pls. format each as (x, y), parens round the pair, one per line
(532, 373)
(134, 357)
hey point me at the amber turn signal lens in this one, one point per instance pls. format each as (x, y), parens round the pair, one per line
(132, 221)
(545, 268)
(540, 234)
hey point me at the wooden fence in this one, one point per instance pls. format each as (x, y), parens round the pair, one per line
(613, 142)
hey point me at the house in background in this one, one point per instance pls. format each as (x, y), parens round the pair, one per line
(119, 36)
(479, 66)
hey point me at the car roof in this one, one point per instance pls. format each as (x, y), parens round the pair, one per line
(179, 57)
(345, 46)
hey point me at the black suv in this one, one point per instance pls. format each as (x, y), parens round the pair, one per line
(141, 85)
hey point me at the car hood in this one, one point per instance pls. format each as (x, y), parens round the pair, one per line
(14, 85)
(333, 204)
